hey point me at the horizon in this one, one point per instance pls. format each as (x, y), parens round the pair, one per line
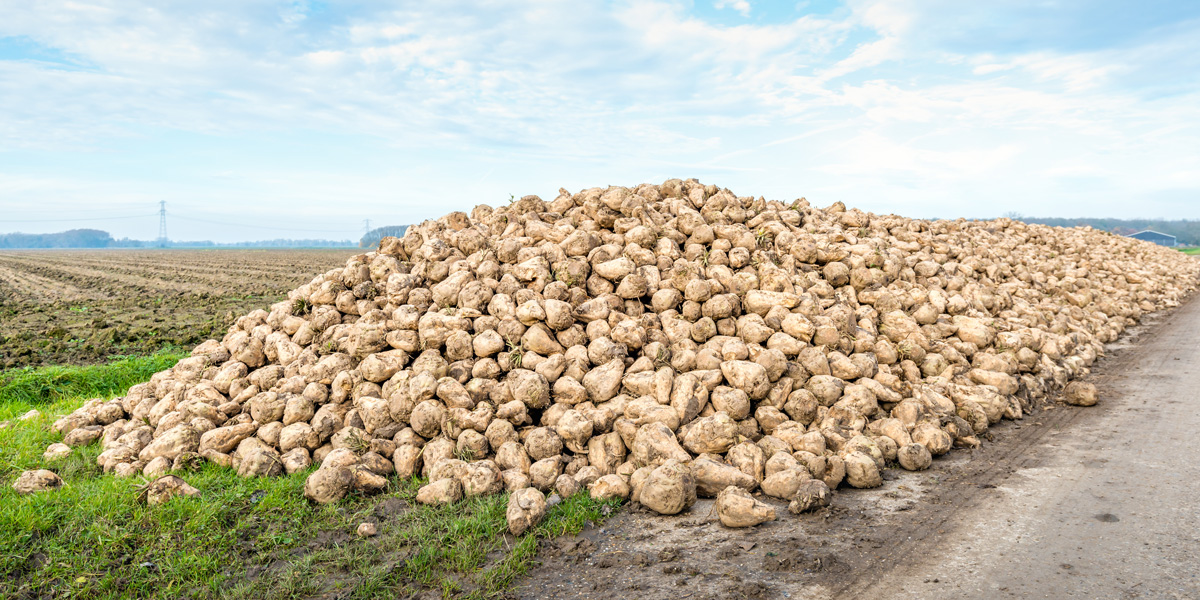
(285, 242)
(303, 119)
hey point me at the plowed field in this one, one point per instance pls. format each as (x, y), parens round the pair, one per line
(82, 306)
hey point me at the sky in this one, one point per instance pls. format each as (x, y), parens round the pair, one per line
(263, 119)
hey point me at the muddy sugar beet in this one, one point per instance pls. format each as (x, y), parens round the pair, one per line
(661, 341)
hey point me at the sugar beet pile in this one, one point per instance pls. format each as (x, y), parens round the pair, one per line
(654, 343)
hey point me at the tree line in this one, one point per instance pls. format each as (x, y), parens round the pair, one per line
(372, 237)
(95, 238)
(1186, 232)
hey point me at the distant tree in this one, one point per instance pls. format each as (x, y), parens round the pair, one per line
(1186, 231)
(94, 238)
(75, 238)
(276, 243)
(372, 237)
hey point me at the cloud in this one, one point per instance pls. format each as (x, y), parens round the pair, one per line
(870, 102)
(741, 6)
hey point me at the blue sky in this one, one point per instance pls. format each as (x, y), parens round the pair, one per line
(302, 119)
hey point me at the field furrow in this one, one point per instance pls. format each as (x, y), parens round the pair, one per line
(20, 284)
(82, 306)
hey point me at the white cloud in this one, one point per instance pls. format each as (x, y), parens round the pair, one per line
(742, 6)
(861, 105)
(989, 68)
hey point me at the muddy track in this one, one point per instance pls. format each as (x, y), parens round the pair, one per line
(871, 543)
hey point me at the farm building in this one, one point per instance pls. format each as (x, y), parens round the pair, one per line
(1161, 239)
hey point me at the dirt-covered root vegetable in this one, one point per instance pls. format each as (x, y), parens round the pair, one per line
(367, 481)
(526, 508)
(261, 461)
(39, 480)
(1080, 393)
(406, 460)
(811, 495)
(737, 508)
(914, 457)
(57, 451)
(366, 530)
(714, 434)
(712, 477)
(934, 438)
(668, 489)
(655, 444)
(165, 488)
(784, 483)
(182, 438)
(83, 436)
(225, 439)
(566, 486)
(862, 471)
(444, 491)
(609, 487)
(296, 460)
(132, 469)
(481, 478)
(157, 468)
(328, 484)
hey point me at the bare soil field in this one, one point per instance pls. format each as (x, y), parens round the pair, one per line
(81, 306)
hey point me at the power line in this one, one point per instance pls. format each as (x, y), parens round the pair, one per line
(162, 229)
(72, 220)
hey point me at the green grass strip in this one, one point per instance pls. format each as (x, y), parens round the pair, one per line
(246, 539)
(33, 386)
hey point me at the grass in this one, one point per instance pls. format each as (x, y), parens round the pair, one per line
(32, 387)
(1191, 251)
(242, 538)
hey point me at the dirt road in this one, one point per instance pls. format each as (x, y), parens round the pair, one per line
(1100, 502)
